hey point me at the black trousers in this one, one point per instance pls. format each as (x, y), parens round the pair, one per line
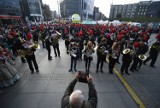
(112, 63)
(135, 63)
(23, 59)
(100, 60)
(31, 59)
(88, 63)
(49, 53)
(125, 66)
(152, 58)
(73, 61)
(56, 50)
(67, 47)
(43, 43)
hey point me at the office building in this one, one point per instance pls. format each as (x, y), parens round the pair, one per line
(82, 7)
(31, 10)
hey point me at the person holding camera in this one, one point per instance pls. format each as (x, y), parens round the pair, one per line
(75, 99)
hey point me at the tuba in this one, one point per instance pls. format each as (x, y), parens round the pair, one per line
(142, 57)
(126, 51)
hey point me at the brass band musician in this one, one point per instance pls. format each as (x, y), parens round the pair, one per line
(101, 54)
(113, 54)
(127, 58)
(28, 49)
(89, 50)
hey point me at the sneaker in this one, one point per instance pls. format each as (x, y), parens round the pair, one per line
(75, 69)
(32, 72)
(37, 71)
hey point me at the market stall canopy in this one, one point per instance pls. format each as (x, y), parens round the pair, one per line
(89, 22)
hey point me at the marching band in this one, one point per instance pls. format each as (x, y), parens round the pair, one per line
(108, 41)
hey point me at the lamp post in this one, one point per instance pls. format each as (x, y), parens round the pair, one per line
(58, 3)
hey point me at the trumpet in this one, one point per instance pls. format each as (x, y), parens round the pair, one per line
(142, 57)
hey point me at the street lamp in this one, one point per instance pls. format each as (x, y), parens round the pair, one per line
(58, 3)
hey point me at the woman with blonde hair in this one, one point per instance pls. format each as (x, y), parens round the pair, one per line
(88, 52)
(113, 54)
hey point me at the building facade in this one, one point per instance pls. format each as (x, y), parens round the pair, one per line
(10, 8)
(10, 12)
(82, 7)
(141, 9)
(123, 11)
(154, 9)
(31, 10)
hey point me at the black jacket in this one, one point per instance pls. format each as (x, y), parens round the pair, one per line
(90, 103)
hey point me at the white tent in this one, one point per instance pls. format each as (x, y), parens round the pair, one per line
(115, 22)
(101, 22)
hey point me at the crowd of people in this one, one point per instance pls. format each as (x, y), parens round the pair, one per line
(81, 41)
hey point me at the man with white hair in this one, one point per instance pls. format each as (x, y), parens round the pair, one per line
(75, 99)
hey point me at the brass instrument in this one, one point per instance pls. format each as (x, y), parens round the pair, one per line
(142, 57)
(28, 51)
(126, 51)
(58, 33)
(103, 50)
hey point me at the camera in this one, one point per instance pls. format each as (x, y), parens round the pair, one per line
(83, 77)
